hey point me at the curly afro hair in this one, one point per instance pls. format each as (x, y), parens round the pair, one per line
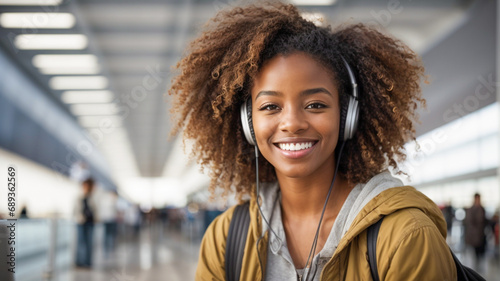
(216, 77)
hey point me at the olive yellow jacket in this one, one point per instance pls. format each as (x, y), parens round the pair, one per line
(411, 243)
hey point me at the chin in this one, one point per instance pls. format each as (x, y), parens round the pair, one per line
(294, 172)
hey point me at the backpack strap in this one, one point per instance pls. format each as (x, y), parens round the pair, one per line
(463, 273)
(372, 248)
(236, 240)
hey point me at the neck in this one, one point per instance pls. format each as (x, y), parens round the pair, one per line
(305, 198)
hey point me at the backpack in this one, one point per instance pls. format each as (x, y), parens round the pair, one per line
(237, 236)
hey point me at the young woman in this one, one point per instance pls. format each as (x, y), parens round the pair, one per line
(329, 111)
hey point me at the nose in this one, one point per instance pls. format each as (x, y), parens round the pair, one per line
(293, 121)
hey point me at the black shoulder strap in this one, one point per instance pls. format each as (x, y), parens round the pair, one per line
(236, 240)
(463, 273)
(372, 248)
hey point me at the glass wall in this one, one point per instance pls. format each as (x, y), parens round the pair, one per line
(451, 163)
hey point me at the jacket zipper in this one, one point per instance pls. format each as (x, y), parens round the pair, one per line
(300, 276)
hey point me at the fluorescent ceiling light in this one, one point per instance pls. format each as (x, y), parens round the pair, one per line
(54, 61)
(313, 2)
(94, 109)
(78, 82)
(51, 41)
(99, 121)
(37, 20)
(71, 70)
(87, 96)
(30, 2)
(66, 64)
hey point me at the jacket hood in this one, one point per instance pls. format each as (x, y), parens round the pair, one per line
(390, 201)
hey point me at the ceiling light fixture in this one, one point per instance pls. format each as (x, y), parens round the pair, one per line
(313, 2)
(70, 70)
(53, 61)
(87, 97)
(66, 64)
(78, 82)
(30, 2)
(51, 41)
(37, 20)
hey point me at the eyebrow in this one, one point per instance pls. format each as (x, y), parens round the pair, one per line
(315, 91)
(303, 93)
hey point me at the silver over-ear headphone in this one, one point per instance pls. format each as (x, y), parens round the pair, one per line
(352, 115)
(349, 113)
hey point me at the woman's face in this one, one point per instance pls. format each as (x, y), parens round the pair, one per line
(295, 110)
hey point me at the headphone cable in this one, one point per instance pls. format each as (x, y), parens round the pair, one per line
(315, 241)
(260, 209)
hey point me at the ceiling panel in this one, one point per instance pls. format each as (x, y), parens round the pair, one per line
(123, 15)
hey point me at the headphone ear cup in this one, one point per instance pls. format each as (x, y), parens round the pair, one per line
(343, 120)
(349, 118)
(246, 121)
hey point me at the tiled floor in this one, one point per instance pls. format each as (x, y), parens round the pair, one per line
(153, 255)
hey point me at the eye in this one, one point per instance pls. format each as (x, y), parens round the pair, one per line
(316, 105)
(268, 107)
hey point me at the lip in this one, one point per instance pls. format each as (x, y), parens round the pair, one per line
(295, 154)
(290, 140)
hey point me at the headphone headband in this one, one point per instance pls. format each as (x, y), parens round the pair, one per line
(352, 78)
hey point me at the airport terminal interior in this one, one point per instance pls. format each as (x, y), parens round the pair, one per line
(83, 94)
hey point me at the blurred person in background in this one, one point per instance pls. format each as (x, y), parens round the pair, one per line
(108, 211)
(263, 81)
(85, 211)
(133, 219)
(24, 213)
(449, 216)
(475, 223)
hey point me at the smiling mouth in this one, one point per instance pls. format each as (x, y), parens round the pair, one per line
(295, 146)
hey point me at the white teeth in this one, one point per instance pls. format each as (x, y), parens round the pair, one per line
(296, 146)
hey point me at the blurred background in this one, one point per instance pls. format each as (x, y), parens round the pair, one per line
(83, 94)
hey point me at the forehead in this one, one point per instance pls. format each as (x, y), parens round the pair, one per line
(298, 69)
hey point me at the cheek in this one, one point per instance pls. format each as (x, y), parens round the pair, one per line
(262, 128)
(329, 128)
(259, 128)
